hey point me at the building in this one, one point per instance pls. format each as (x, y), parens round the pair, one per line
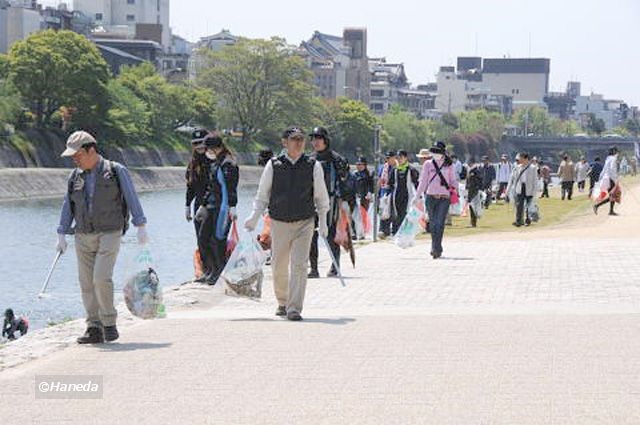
(387, 79)
(133, 19)
(421, 103)
(18, 19)
(495, 84)
(613, 112)
(340, 64)
(61, 18)
(214, 43)
(526, 80)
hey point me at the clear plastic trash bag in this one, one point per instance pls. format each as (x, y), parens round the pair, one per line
(409, 228)
(243, 274)
(477, 202)
(533, 210)
(385, 207)
(142, 290)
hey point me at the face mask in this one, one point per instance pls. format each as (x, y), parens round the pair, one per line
(437, 156)
(210, 155)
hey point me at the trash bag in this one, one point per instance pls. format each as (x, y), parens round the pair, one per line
(358, 224)
(385, 207)
(243, 274)
(409, 228)
(456, 209)
(232, 241)
(142, 291)
(533, 210)
(477, 202)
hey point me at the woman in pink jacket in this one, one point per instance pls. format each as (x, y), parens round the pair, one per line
(439, 181)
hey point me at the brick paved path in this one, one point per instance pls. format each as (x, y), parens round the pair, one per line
(537, 327)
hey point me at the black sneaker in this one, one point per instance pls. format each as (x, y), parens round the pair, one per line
(201, 279)
(332, 273)
(595, 209)
(294, 316)
(613, 213)
(281, 311)
(111, 333)
(92, 335)
(313, 274)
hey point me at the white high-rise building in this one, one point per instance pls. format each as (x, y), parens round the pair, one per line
(147, 19)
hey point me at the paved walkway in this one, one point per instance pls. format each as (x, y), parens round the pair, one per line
(533, 327)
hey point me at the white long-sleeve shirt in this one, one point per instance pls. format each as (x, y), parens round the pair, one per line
(320, 194)
(610, 169)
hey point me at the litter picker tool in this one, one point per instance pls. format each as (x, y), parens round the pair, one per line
(46, 281)
(333, 260)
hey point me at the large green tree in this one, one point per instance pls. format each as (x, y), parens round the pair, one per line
(404, 131)
(355, 123)
(534, 120)
(54, 69)
(261, 85)
(169, 105)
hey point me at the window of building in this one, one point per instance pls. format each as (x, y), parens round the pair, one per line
(377, 93)
(98, 16)
(131, 18)
(131, 1)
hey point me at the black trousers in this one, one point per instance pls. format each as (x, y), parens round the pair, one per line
(502, 189)
(212, 249)
(612, 203)
(521, 208)
(473, 217)
(401, 204)
(567, 189)
(545, 189)
(581, 184)
(335, 248)
(592, 184)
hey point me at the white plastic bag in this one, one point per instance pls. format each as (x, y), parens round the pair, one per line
(243, 273)
(409, 229)
(385, 207)
(533, 210)
(477, 203)
(356, 217)
(142, 291)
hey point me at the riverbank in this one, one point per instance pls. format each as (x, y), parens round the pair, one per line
(40, 183)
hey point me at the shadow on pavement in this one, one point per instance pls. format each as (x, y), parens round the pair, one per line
(340, 321)
(457, 258)
(133, 346)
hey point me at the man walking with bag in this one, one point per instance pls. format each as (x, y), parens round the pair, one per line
(293, 187)
(100, 197)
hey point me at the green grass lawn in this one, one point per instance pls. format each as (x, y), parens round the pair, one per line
(499, 217)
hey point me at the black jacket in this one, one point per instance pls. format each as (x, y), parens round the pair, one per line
(231, 174)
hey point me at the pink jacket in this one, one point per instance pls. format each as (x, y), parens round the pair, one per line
(430, 181)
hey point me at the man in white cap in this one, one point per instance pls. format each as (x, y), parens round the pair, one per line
(293, 188)
(100, 199)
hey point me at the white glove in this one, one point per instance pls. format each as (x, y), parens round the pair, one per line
(61, 246)
(187, 213)
(251, 223)
(414, 200)
(202, 214)
(143, 237)
(233, 215)
(323, 230)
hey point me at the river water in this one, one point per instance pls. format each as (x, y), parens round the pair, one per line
(27, 249)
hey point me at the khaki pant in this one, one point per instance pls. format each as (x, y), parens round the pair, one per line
(289, 257)
(97, 253)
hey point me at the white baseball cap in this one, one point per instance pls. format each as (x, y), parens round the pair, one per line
(76, 141)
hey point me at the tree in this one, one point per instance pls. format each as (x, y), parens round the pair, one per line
(491, 124)
(355, 123)
(564, 127)
(4, 66)
(55, 69)
(261, 85)
(633, 126)
(10, 104)
(596, 125)
(404, 131)
(129, 118)
(534, 120)
(170, 106)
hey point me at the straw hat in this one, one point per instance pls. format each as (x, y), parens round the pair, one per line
(424, 153)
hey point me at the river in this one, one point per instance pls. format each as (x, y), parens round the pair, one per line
(28, 247)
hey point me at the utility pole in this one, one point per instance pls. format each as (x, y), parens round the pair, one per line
(376, 163)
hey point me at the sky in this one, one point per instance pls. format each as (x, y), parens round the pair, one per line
(595, 42)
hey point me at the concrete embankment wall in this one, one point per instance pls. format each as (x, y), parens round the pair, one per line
(34, 183)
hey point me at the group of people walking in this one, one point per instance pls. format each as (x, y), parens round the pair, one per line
(302, 195)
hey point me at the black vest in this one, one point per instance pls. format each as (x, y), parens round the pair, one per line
(292, 189)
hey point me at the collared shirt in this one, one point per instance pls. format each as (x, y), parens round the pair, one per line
(320, 193)
(610, 169)
(126, 186)
(430, 182)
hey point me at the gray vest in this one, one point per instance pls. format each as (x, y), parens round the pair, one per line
(109, 212)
